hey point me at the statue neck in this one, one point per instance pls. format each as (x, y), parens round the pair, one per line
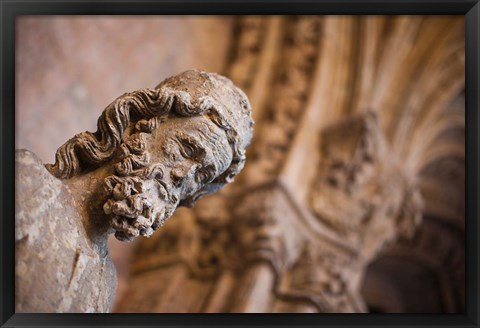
(89, 196)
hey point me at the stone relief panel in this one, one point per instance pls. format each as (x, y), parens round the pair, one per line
(361, 191)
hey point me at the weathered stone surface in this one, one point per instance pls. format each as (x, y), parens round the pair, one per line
(170, 146)
(58, 267)
(154, 150)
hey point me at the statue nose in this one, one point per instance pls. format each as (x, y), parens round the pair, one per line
(179, 174)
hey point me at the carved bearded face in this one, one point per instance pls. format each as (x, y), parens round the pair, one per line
(171, 145)
(177, 160)
(259, 233)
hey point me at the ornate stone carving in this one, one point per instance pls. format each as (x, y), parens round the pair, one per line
(364, 196)
(320, 278)
(289, 92)
(154, 150)
(264, 229)
(360, 189)
(213, 248)
(144, 191)
(250, 33)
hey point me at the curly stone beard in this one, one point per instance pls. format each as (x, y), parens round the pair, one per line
(133, 209)
(139, 202)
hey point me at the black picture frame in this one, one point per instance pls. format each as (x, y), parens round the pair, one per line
(11, 9)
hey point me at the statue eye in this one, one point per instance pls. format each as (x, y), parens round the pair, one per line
(187, 150)
(203, 175)
(190, 149)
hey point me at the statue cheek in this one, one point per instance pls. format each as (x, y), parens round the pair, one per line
(190, 187)
(152, 194)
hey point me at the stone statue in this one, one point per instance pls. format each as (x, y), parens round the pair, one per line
(154, 150)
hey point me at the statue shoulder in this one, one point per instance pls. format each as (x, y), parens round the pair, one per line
(36, 190)
(30, 171)
(50, 238)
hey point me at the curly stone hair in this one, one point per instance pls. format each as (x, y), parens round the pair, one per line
(191, 93)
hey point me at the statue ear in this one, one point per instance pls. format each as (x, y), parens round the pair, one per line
(206, 190)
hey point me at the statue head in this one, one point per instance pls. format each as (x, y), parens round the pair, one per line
(168, 147)
(361, 190)
(261, 230)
